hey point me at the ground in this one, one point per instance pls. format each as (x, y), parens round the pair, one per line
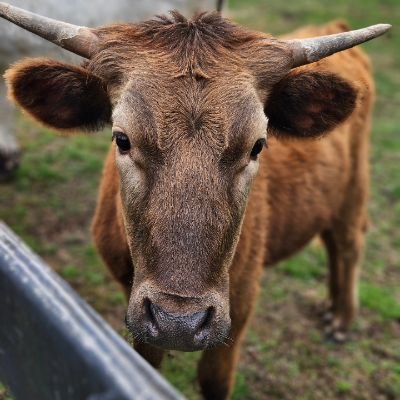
(285, 356)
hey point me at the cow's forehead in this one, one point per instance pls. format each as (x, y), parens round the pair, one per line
(166, 110)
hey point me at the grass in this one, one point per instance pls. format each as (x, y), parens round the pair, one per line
(4, 394)
(285, 355)
(380, 299)
(307, 266)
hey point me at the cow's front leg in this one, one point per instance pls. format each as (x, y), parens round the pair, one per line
(216, 369)
(152, 355)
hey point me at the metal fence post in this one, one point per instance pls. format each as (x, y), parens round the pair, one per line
(54, 346)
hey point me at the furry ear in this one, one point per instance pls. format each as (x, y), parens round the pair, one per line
(59, 95)
(309, 104)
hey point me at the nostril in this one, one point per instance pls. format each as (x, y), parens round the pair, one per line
(150, 318)
(208, 316)
(202, 333)
(149, 310)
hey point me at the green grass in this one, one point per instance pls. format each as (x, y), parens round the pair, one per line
(380, 299)
(241, 389)
(4, 394)
(344, 386)
(180, 370)
(307, 266)
(285, 356)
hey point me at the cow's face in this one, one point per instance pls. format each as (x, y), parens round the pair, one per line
(189, 106)
(188, 131)
(187, 153)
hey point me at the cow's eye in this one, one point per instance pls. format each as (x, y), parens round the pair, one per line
(256, 150)
(122, 141)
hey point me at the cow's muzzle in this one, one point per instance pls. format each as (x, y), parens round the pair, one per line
(173, 322)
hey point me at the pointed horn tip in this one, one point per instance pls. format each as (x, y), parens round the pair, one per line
(384, 27)
(380, 28)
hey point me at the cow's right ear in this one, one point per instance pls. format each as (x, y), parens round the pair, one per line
(59, 95)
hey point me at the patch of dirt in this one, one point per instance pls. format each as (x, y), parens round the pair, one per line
(286, 355)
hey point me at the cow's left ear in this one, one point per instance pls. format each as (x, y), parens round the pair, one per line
(59, 95)
(309, 104)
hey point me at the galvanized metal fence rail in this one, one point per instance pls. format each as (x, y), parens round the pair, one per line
(53, 345)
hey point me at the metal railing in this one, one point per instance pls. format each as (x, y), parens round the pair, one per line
(54, 346)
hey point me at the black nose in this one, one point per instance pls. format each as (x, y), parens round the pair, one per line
(178, 330)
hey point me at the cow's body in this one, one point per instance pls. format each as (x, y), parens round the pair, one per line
(190, 209)
(325, 182)
(302, 190)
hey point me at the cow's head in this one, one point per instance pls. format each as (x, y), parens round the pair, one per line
(189, 103)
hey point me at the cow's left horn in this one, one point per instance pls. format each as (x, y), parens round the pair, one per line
(77, 39)
(306, 51)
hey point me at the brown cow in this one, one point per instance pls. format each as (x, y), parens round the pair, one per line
(190, 102)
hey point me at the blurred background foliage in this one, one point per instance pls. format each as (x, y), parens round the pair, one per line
(52, 199)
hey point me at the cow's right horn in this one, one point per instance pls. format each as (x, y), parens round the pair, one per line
(306, 51)
(77, 39)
